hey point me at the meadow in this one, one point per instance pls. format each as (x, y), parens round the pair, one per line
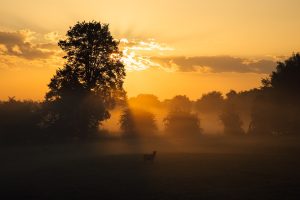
(213, 167)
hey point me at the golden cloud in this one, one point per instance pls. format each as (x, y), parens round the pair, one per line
(137, 53)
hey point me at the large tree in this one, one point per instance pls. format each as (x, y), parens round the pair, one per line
(276, 110)
(286, 77)
(91, 80)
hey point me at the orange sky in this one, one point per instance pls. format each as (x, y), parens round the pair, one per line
(171, 47)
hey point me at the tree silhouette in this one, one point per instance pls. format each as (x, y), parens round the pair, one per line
(137, 122)
(210, 102)
(179, 103)
(286, 77)
(276, 110)
(266, 115)
(91, 80)
(19, 120)
(182, 123)
(231, 120)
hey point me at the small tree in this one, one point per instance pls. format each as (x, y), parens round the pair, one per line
(210, 103)
(137, 122)
(231, 121)
(91, 80)
(179, 103)
(182, 123)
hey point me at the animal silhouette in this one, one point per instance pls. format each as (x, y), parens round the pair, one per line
(150, 157)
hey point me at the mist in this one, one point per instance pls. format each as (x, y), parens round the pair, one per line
(207, 111)
(88, 140)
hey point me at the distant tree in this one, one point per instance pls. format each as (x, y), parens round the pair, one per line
(137, 123)
(179, 103)
(231, 94)
(127, 123)
(243, 101)
(266, 115)
(231, 121)
(91, 81)
(182, 123)
(210, 102)
(19, 120)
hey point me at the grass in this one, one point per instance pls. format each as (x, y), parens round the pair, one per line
(211, 168)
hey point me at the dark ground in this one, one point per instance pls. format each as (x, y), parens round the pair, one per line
(211, 168)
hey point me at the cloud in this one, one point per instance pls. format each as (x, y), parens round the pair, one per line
(144, 45)
(22, 44)
(137, 53)
(52, 36)
(216, 64)
(143, 54)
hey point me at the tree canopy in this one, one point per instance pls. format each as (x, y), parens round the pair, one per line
(137, 122)
(276, 109)
(231, 120)
(286, 77)
(210, 102)
(179, 103)
(91, 80)
(182, 123)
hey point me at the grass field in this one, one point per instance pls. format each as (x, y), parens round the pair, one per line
(211, 168)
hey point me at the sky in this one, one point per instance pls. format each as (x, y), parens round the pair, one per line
(170, 47)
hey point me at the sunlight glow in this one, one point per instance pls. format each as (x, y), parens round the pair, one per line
(135, 53)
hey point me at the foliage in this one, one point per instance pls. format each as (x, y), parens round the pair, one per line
(276, 110)
(210, 102)
(91, 81)
(286, 77)
(179, 103)
(231, 121)
(182, 123)
(19, 120)
(137, 122)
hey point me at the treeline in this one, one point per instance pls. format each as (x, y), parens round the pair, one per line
(83, 93)
(181, 116)
(272, 109)
(29, 120)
